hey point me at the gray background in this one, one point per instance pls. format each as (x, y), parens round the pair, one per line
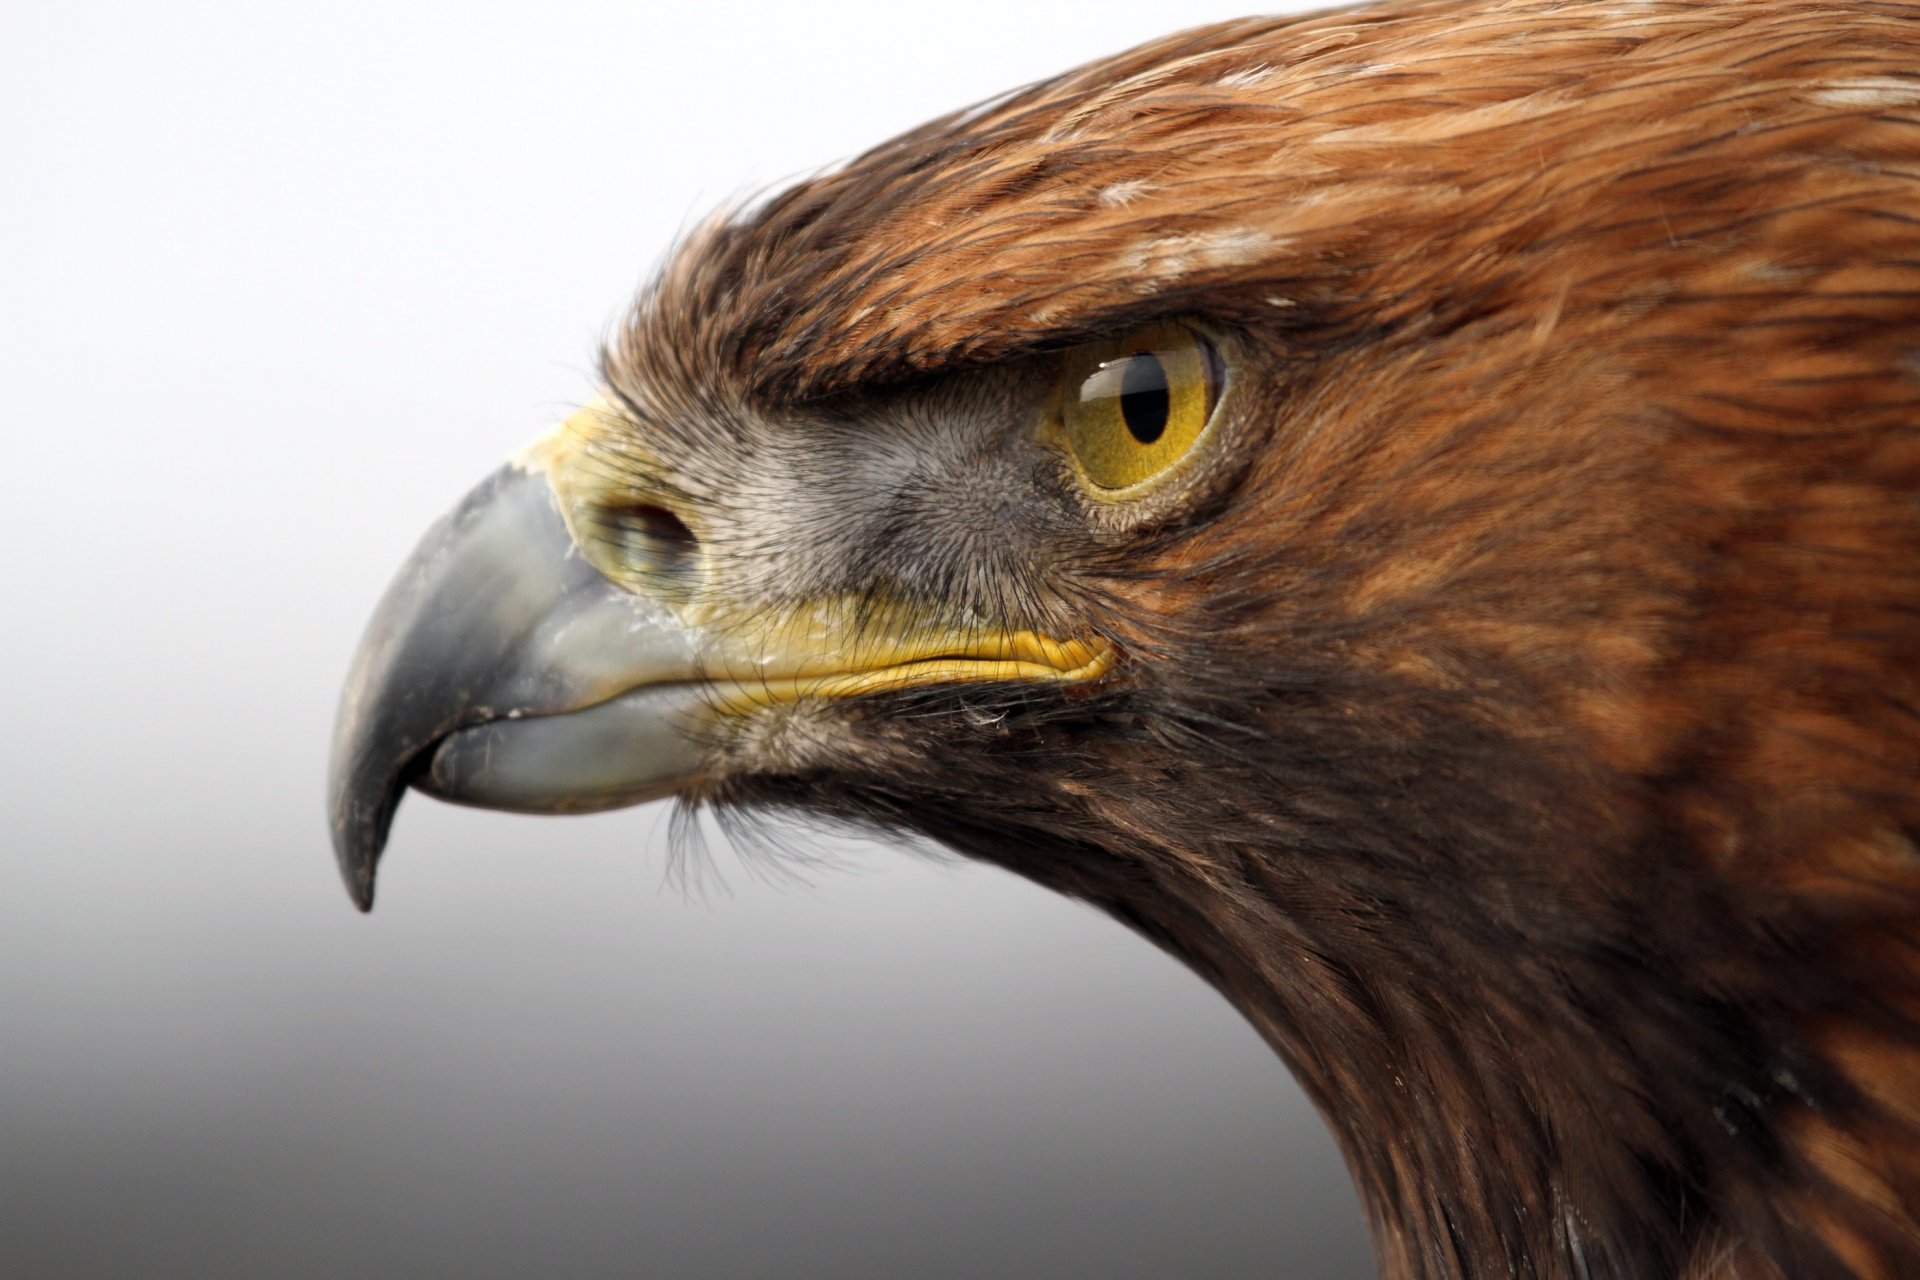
(278, 283)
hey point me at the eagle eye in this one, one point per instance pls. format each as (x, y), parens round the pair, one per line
(1132, 406)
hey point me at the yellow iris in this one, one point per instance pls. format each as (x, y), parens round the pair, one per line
(1132, 406)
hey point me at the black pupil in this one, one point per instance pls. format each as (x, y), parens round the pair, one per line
(1144, 401)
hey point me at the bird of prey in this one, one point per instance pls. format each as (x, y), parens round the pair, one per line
(1415, 510)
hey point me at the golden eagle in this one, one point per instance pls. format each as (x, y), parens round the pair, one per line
(1416, 510)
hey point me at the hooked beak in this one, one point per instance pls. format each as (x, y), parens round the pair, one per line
(503, 669)
(494, 623)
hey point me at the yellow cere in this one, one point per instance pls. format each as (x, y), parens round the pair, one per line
(1132, 406)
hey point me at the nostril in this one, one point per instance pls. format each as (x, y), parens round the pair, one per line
(650, 538)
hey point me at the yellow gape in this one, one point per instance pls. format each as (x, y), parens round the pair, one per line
(1132, 406)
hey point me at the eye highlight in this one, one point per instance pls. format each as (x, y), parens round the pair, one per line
(1132, 406)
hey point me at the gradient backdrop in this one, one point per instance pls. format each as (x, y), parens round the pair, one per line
(278, 283)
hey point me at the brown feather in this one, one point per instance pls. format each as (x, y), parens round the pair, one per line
(1579, 571)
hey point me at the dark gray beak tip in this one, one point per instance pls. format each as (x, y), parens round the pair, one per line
(357, 864)
(360, 826)
(364, 787)
(360, 887)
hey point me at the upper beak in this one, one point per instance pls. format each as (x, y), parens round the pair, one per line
(494, 621)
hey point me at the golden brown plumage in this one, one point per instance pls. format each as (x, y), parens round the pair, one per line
(1523, 726)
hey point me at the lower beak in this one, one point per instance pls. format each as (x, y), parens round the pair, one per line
(494, 627)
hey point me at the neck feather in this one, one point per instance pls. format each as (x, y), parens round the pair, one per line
(1550, 1043)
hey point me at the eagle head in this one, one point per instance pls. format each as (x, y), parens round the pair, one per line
(1415, 510)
